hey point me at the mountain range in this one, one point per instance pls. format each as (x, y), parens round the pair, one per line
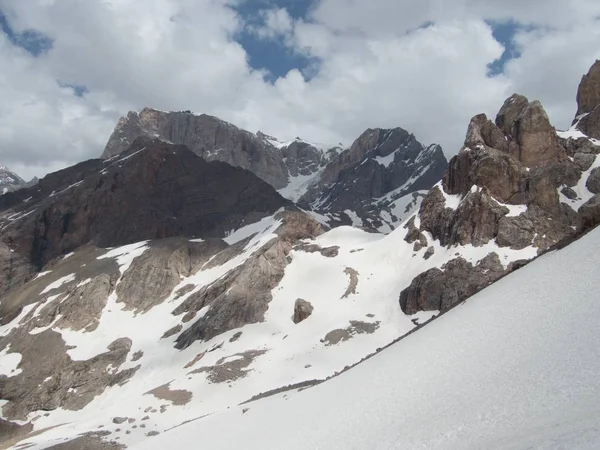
(196, 275)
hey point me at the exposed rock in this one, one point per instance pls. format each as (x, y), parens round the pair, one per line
(226, 371)
(334, 337)
(480, 167)
(178, 397)
(590, 124)
(87, 442)
(353, 274)
(484, 133)
(172, 331)
(588, 94)
(510, 112)
(49, 379)
(589, 213)
(153, 275)
(593, 181)
(532, 139)
(569, 193)
(441, 289)
(429, 253)
(328, 252)
(302, 310)
(15, 269)
(119, 420)
(474, 222)
(236, 336)
(584, 160)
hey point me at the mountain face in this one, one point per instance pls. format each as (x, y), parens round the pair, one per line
(153, 190)
(154, 288)
(9, 181)
(367, 181)
(382, 167)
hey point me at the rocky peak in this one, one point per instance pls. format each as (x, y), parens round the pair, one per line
(209, 137)
(586, 125)
(588, 94)
(527, 130)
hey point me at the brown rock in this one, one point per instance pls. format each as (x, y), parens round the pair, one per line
(440, 290)
(588, 94)
(537, 139)
(302, 310)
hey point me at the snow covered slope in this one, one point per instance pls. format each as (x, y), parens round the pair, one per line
(351, 278)
(515, 367)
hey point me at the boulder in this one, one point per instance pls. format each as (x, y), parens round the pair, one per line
(593, 181)
(589, 213)
(302, 310)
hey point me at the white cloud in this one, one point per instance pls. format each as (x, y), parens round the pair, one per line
(377, 68)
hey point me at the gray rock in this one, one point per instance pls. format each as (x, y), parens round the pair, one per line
(429, 253)
(584, 160)
(207, 136)
(302, 310)
(593, 181)
(569, 193)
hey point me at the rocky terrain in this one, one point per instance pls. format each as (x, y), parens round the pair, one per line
(156, 287)
(369, 184)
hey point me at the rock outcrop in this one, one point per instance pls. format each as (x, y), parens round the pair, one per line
(302, 310)
(504, 187)
(441, 289)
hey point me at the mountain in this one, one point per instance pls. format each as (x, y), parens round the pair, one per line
(9, 181)
(154, 289)
(371, 183)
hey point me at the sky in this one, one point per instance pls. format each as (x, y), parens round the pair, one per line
(324, 70)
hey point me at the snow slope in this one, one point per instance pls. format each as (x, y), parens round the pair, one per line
(515, 367)
(355, 298)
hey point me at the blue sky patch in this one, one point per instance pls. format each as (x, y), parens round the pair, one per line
(504, 33)
(78, 90)
(273, 55)
(34, 42)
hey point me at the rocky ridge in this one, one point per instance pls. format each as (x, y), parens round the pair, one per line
(371, 182)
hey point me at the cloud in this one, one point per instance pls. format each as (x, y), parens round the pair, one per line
(376, 65)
